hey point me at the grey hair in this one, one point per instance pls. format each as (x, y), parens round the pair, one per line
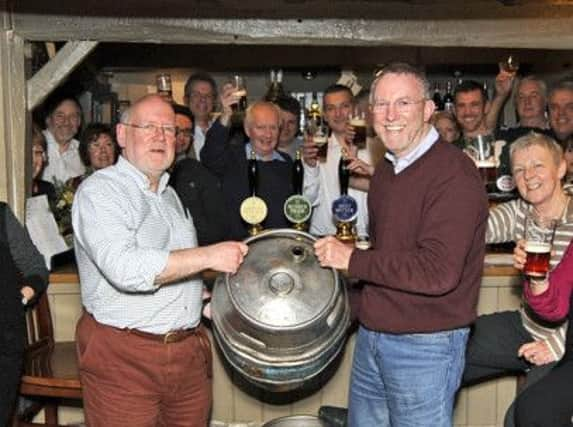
(540, 140)
(258, 104)
(401, 68)
(531, 78)
(565, 84)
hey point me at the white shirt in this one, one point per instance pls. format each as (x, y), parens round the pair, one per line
(425, 144)
(199, 140)
(322, 222)
(123, 234)
(62, 166)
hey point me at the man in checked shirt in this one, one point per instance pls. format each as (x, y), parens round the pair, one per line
(144, 357)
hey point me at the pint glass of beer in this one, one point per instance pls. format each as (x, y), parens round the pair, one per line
(320, 139)
(241, 93)
(538, 234)
(317, 130)
(358, 122)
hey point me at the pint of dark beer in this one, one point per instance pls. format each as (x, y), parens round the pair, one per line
(538, 235)
(359, 125)
(488, 173)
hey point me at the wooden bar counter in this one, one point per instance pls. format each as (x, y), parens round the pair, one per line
(481, 405)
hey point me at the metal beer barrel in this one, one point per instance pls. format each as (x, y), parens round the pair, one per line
(296, 421)
(281, 319)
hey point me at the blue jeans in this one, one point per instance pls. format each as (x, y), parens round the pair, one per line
(406, 380)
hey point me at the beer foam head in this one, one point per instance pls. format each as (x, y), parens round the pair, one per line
(357, 122)
(537, 247)
(485, 163)
(320, 139)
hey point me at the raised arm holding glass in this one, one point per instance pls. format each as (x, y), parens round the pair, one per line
(548, 402)
(512, 342)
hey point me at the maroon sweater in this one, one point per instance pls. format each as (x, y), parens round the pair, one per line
(427, 225)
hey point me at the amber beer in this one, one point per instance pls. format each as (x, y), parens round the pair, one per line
(359, 125)
(537, 260)
(321, 142)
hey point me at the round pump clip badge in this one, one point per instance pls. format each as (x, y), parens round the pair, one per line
(345, 209)
(297, 209)
(253, 210)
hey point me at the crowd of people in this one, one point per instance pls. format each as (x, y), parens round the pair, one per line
(157, 201)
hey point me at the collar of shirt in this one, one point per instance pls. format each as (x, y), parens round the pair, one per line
(276, 154)
(140, 178)
(403, 162)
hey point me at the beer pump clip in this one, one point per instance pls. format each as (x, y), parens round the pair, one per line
(345, 212)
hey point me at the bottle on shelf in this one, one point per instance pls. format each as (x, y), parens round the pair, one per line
(303, 114)
(448, 98)
(437, 97)
(314, 111)
(276, 89)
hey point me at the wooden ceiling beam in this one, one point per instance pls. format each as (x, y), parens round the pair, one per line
(503, 33)
(53, 73)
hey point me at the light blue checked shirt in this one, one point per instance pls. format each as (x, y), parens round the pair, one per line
(123, 234)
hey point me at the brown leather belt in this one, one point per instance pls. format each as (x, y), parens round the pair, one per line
(168, 338)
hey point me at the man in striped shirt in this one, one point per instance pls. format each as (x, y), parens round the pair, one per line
(518, 341)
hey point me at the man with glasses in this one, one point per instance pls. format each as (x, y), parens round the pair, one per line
(184, 141)
(337, 106)
(144, 357)
(63, 122)
(200, 94)
(428, 212)
(199, 190)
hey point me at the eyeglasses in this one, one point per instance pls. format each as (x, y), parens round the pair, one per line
(196, 96)
(400, 105)
(187, 133)
(150, 129)
(61, 117)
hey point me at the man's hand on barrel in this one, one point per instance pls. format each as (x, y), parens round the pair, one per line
(333, 253)
(226, 257)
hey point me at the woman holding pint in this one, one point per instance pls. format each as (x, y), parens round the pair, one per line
(511, 342)
(549, 402)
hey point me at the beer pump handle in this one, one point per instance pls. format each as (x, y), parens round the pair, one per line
(252, 173)
(343, 172)
(297, 174)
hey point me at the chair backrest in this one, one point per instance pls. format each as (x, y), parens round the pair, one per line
(50, 369)
(39, 338)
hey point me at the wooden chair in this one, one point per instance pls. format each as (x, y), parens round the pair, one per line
(51, 374)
